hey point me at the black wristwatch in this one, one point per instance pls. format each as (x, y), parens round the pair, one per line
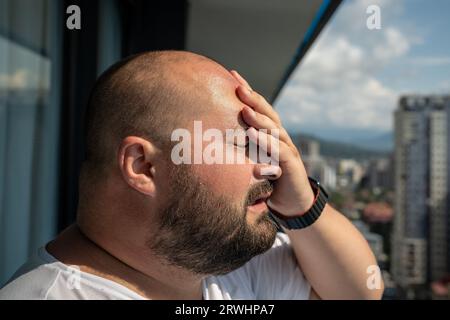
(309, 217)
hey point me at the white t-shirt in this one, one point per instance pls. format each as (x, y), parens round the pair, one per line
(271, 275)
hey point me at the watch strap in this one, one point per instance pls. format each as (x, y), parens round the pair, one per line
(309, 217)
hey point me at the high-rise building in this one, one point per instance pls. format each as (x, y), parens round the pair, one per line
(379, 173)
(317, 166)
(420, 234)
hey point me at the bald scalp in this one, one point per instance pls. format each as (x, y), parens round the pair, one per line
(143, 95)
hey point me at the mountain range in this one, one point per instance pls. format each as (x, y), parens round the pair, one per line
(362, 147)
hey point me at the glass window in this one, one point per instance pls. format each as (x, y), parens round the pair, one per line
(29, 120)
(345, 95)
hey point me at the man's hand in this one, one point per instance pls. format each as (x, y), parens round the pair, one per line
(332, 253)
(292, 194)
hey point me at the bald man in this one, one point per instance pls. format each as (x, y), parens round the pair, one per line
(150, 227)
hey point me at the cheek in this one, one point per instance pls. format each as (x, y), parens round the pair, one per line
(230, 180)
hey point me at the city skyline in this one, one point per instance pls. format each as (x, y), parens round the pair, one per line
(352, 77)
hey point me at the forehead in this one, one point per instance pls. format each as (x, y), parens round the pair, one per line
(222, 108)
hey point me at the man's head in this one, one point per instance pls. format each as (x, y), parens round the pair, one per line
(199, 217)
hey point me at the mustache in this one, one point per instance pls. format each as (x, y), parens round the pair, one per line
(258, 190)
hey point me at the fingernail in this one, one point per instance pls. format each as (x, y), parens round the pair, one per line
(270, 171)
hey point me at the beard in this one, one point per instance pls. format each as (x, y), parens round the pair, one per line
(208, 234)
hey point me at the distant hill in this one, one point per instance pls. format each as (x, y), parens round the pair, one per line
(335, 149)
(382, 142)
(368, 139)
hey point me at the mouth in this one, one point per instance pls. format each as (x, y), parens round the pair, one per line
(260, 203)
(262, 198)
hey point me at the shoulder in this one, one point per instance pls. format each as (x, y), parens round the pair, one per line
(43, 277)
(34, 284)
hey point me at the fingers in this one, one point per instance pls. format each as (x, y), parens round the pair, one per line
(251, 98)
(241, 80)
(261, 121)
(258, 103)
(257, 120)
(276, 151)
(266, 142)
(259, 114)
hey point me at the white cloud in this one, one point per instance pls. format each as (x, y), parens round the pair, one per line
(395, 45)
(336, 85)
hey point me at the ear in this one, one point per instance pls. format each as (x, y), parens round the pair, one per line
(137, 158)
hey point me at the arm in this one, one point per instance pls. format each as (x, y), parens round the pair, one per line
(334, 257)
(332, 253)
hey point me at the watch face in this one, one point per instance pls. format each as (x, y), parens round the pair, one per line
(317, 185)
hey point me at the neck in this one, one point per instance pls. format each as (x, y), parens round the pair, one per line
(138, 270)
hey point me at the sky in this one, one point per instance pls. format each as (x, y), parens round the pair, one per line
(350, 80)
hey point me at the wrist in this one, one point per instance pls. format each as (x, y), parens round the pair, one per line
(305, 218)
(305, 205)
(309, 215)
(309, 197)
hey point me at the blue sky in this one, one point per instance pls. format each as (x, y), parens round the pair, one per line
(352, 77)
